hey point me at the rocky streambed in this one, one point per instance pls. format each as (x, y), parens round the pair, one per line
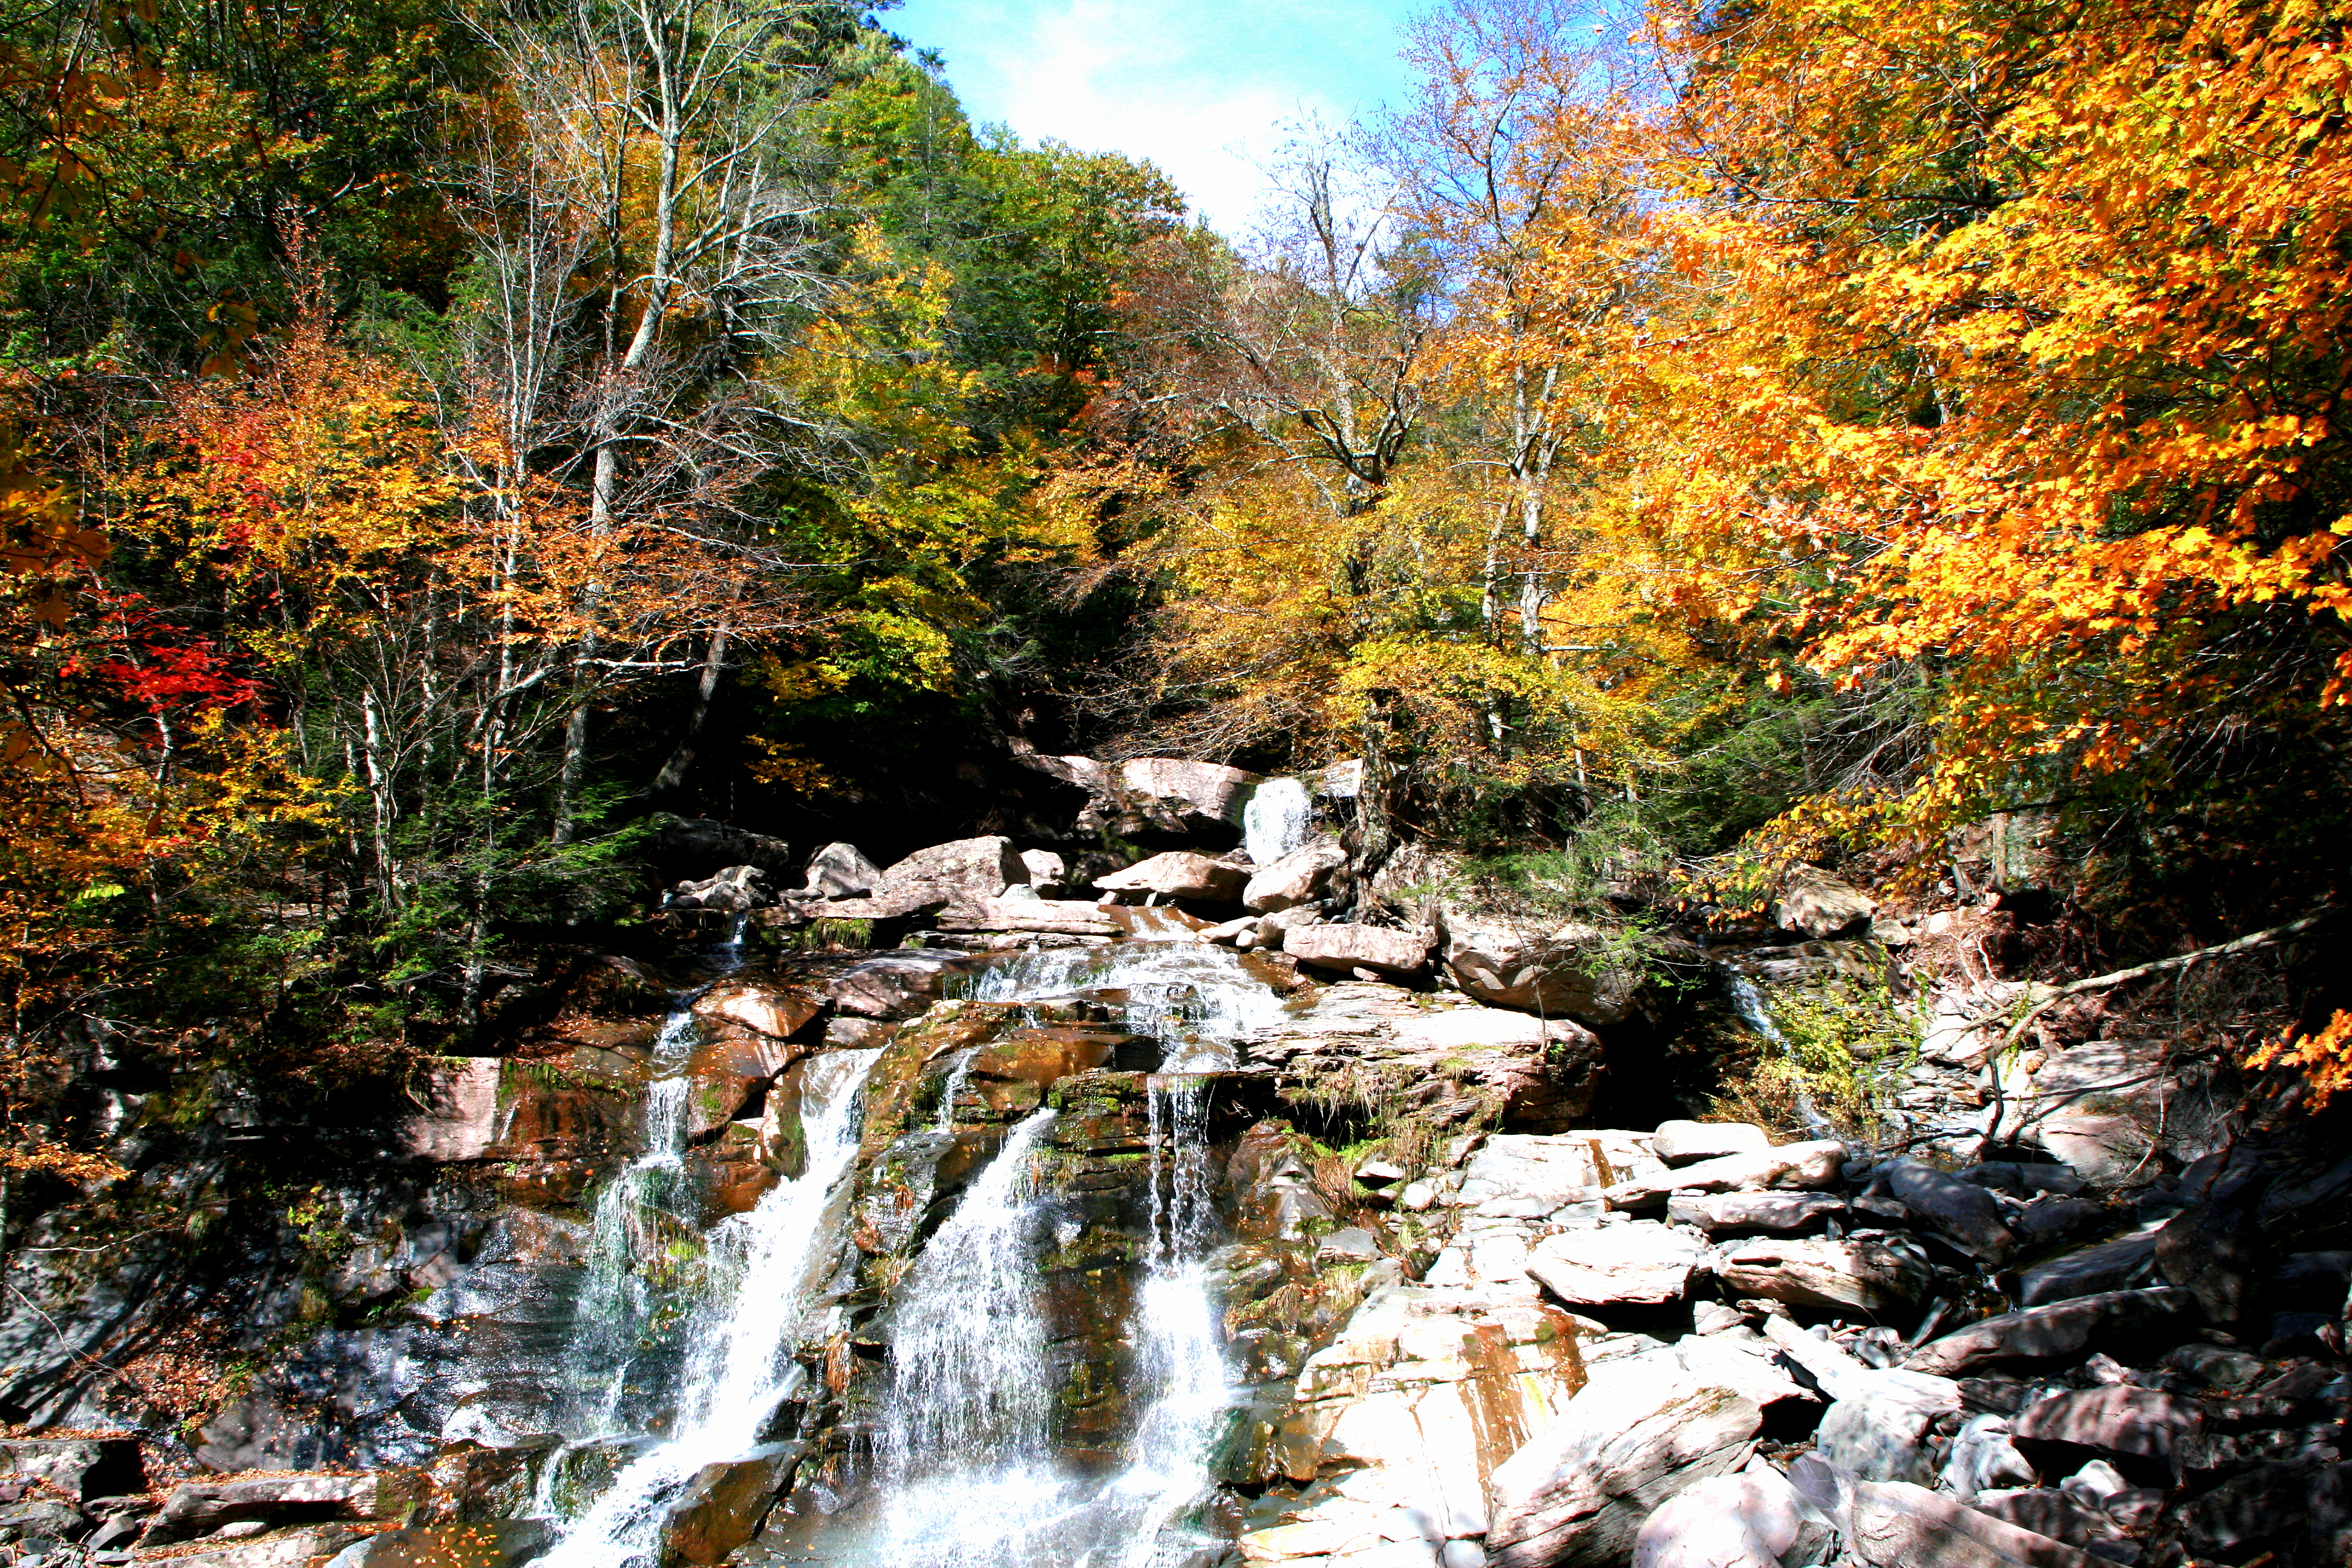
(1063, 1247)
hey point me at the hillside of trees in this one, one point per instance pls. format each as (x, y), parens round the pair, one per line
(443, 436)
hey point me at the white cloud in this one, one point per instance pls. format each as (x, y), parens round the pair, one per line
(1198, 90)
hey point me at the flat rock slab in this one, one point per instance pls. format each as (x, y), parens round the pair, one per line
(1616, 1265)
(488, 1543)
(1682, 1142)
(2118, 1421)
(1893, 1525)
(1351, 947)
(2119, 1265)
(2049, 1333)
(1731, 1213)
(197, 1508)
(1858, 1272)
(1812, 1164)
(1576, 1496)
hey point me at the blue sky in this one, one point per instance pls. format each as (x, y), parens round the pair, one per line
(1197, 88)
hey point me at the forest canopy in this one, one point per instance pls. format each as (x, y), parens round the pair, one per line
(442, 434)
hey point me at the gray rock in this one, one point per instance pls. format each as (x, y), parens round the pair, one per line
(1806, 1165)
(963, 870)
(2111, 1265)
(2061, 1330)
(1822, 904)
(197, 1508)
(1616, 1265)
(1349, 1244)
(1961, 1211)
(1983, 1456)
(2118, 1421)
(295, 1548)
(1751, 1519)
(895, 985)
(2012, 1176)
(1682, 1142)
(2047, 1510)
(1298, 877)
(1179, 874)
(2218, 1253)
(2215, 1366)
(1860, 1272)
(1720, 1214)
(2272, 1506)
(1351, 947)
(1560, 972)
(1880, 1435)
(733, 891)
(488, 1543)
(1893, 1525)
(1156, 796)
(1576, 1494)
(2048, 1219)
(840, 871)
(81, 1468)
(2312, 1280)
(1042, 869)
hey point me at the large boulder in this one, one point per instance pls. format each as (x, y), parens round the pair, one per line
(964, 870)
(1963, 1211)
(1860, 1272)
(1179, 874)
(197, 1508)
(1813, 1164)
(1543, 1072)
(1298, 877)
(765, 1007)
(894, 984)
(2061, 1330)
(2218, 1254)
(1893, 1525)
(2118, 1422)
(2116, 1265)
(1720, 1214)
(1686, 1142)
(1821, 905)
(1167, 796)
(733, 890)
(1752, 1520)
(723, 1504)
(1564, 971)
(1577, 1495)
(1616, 1265)
(840, 871)
(1347, 947)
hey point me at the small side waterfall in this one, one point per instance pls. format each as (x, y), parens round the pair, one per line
(1196, 999)
(738, 1370)
(1276, 820)
(1757, 1014)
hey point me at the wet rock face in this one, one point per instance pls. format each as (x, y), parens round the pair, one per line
(1559, 971)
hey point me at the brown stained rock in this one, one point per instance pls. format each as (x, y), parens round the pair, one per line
(899, 984)
(2061, 1330)
(770, 1009)
(1012, 1075)
(721, 1507)
(480, 1543)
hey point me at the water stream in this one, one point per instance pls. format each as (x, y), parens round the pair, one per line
(757, 1270)
(1277, 819)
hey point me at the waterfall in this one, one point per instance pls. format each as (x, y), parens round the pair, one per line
(738, 1371)
(1758, 1016)
(1276, 820)
(615, 1298)
(1196, 999)
(964, 1441)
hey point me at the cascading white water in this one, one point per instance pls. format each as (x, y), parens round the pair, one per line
(736, 1372)
(1196, 999)
(969, 1473)
(615, 1298)
(1276, 820)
